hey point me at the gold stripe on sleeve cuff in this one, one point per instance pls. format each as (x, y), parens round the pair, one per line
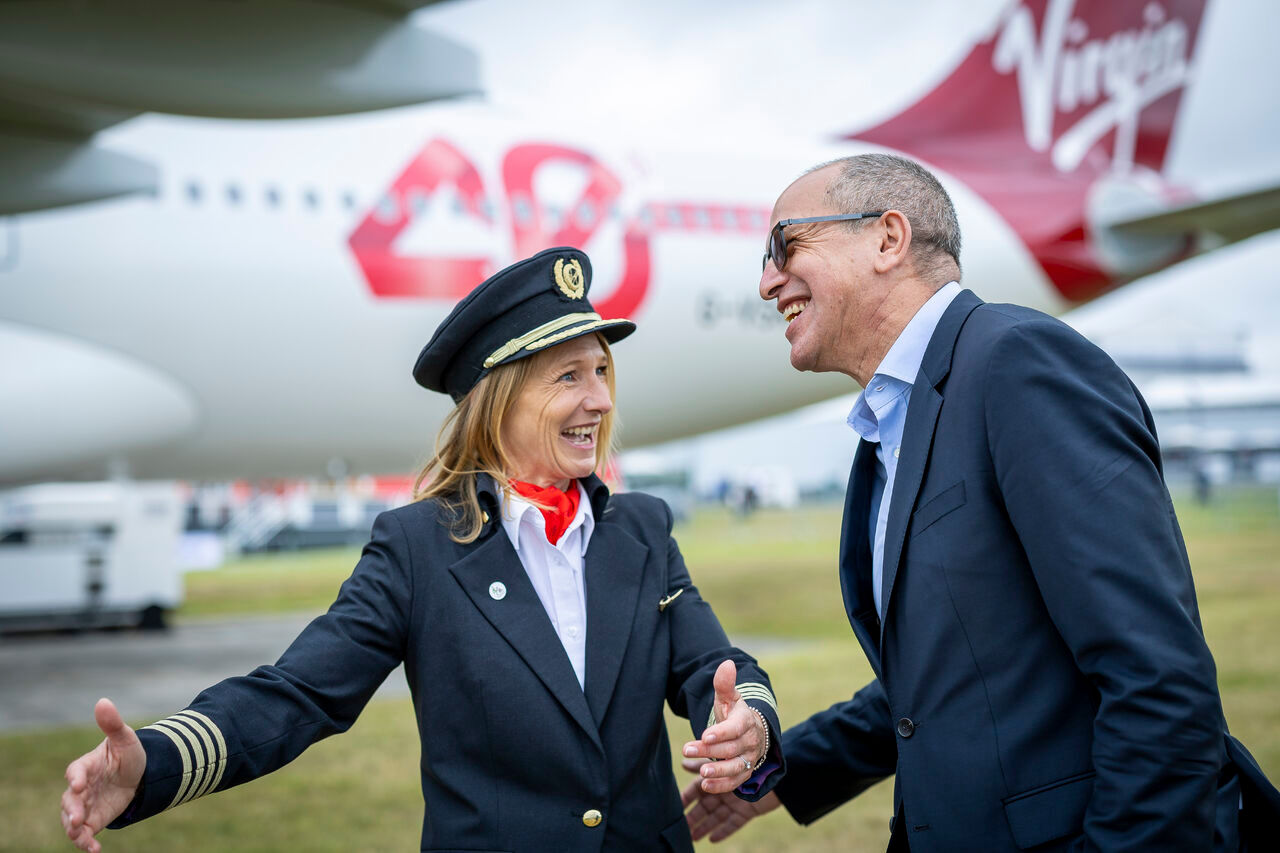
(204, 756)
(203, 751)
(748, 690)
(755, 690)
(199, 748)
(184, 751)
(219, 752)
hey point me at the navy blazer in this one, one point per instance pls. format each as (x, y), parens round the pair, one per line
(515, 754)
(1042, 677)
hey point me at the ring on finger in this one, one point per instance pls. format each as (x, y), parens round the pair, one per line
(746, 761)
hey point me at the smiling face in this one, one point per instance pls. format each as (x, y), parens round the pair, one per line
(551, 432)
(821, 289)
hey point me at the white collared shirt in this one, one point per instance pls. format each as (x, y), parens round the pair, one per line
(556, 571)
(880, 413)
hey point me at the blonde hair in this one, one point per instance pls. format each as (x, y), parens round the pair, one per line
(469, 443)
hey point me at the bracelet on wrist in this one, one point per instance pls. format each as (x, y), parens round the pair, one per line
(764, 723)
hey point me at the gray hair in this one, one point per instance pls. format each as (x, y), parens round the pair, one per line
(869, 182)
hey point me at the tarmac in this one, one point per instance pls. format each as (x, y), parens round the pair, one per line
(53, 680)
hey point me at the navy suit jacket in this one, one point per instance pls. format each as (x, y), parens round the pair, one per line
(1042, 677)
(515, 754)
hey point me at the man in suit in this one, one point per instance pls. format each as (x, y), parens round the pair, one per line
(1010, 559)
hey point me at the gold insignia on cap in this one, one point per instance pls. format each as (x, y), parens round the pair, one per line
(569, 278)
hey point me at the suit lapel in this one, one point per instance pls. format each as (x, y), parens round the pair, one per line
(917, 435)
(521, 619)
(855, 554)
(613, 568)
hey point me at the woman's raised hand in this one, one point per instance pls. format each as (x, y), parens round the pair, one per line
(101, 783)
(736, 741)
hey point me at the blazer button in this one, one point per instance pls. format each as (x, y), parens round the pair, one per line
(592, 817)
(906, 728)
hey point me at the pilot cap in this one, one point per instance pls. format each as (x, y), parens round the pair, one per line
(531, 305)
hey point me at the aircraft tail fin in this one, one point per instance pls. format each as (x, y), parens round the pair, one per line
(1062, 97)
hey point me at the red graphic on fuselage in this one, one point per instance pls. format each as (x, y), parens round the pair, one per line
(439, 164)
(1063, 95)
(535, 225)
(533, 232)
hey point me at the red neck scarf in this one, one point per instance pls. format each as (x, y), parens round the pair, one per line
(563, 505)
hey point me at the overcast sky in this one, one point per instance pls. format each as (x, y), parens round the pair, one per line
(802, 67)
(755, 70)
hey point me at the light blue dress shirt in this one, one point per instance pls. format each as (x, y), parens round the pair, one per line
(880, 412)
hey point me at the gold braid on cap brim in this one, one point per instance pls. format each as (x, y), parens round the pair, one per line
(550, 333)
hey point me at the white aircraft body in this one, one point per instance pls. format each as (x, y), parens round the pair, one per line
(249, 300)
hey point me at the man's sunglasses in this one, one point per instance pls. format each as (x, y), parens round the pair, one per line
(776, 249)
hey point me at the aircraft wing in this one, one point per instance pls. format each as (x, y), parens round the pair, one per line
(1228, 218)
(69, 69)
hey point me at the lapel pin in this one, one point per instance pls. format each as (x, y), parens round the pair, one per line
(662, 604)
(497, 590)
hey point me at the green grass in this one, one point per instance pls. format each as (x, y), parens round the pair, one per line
(1234, 545)
(732, 560)
(771, 575)
(271, 583)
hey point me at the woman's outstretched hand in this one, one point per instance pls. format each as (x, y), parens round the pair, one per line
(101, 783)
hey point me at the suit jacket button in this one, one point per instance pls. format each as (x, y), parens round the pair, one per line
(592, 817)
(906, 728)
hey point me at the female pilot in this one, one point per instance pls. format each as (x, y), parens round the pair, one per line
(542, 621)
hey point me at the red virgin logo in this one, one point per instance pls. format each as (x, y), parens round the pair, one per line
(1063, 98)
(1097, 78)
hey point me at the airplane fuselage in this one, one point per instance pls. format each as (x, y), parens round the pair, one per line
(260, 314)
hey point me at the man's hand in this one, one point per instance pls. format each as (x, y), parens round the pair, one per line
(736, 740)
(719, 815)
(101, 783)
